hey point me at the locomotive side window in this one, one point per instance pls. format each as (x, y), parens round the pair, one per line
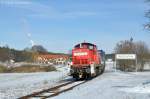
(77, 46)
(91, 47)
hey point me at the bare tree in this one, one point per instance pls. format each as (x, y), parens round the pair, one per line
(147, 25)
(142, 51)
(127, 47)
(39, 48)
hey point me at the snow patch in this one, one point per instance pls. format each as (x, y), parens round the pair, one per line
(137, 89)
(15, 85)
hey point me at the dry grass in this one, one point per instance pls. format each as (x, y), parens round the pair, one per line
(27, 69)
(3, 69)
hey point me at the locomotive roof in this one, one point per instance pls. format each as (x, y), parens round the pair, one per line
(85, 44)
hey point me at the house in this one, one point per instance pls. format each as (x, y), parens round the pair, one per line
(52, 59)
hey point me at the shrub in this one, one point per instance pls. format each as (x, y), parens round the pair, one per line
(27, 69)
(3, 69)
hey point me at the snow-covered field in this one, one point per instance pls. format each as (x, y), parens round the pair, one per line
(110, 85)
(14, 85)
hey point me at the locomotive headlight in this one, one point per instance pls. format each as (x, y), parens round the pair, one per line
(80, 53)
(71, 63)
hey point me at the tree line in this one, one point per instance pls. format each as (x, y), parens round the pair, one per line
(27, 55)
(7, 54)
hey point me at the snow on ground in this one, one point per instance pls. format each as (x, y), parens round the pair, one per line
(112, 85)
(14, 85)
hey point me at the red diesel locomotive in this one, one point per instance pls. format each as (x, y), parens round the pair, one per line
(87, 61)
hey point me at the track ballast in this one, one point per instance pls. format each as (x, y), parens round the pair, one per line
(53, 91)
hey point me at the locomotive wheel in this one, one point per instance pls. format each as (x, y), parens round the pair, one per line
(102, 71)
(88, 77)
(98, 71)
(76, 77)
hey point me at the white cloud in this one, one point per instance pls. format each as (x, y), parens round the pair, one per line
(39, 10)
(63, 15)
(14, 2)
(3, 44)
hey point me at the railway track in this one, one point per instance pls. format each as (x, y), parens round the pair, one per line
(54, 91)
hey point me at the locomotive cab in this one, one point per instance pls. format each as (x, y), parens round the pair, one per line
(86, 61)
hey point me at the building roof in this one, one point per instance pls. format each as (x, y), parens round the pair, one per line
(53, 56)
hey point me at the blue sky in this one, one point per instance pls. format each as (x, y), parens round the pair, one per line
(60, 24)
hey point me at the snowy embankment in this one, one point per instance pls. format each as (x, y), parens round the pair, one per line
(14, 85)
(112, 85)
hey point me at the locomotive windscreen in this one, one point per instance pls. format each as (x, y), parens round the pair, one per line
(85, 45)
